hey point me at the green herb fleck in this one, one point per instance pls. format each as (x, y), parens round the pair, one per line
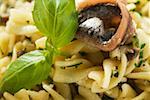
(141, 54)
(138, 2)
(139, 64)
(142, 46)
(76, 65)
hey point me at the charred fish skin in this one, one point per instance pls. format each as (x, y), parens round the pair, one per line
(105, 25)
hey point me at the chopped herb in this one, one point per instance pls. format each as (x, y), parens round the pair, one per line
(139, 64)
(136, 65)
(76, 65)
(142, 46)
(138, 2)
(141, 54)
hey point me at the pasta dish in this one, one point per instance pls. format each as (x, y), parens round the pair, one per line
(74, 50)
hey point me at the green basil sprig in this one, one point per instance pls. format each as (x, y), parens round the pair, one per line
(56, 19)
(28, 70)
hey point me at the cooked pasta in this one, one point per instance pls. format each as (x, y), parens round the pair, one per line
(81, 71)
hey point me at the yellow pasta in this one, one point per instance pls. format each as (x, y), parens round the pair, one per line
(114, 92)
(113, 81)
(21, 17)
(8, 96)
(139, 75)
(122, 69)
(73, 62)
(87, 94)
(144, 38)
(4, 41)
(73, 48)
(71, 75)
(97, 76)
(127, 92)
(61, 87)
(131, 65)
(22, 21)
(108, 66)
(41, 95)
(115, 53)
(53, 93)
(5, 61)
(22, 95)
(29, 46)
(143, 85)
(146, 10)
(40, 43)
(86, 82)
(144, 95)
(12, 40)
(145, 23)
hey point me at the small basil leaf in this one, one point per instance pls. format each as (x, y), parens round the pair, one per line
(27, 71)
(57, 19)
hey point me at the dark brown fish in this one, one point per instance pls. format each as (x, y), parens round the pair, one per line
(104, 24)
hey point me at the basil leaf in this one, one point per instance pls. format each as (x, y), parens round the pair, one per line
(27, 71)
(57, 19)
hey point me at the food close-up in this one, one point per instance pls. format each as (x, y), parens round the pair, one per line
(74, 49)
